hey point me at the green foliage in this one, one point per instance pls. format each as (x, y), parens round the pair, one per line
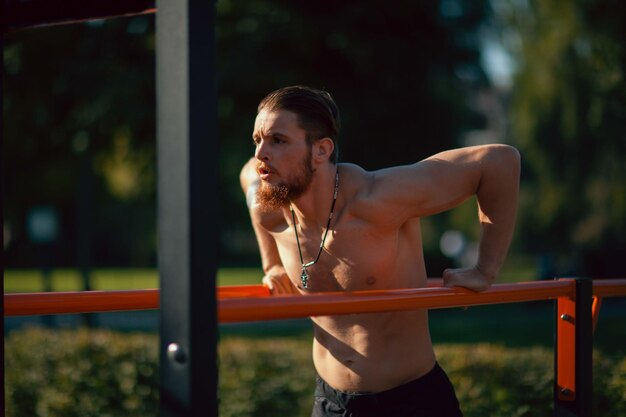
(609, 385)
(79, 130)
(496, 381)
(102, 373)
(266, 377)
(568, 106)
(81, 374)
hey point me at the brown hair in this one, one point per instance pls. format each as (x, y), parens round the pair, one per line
(316, 110)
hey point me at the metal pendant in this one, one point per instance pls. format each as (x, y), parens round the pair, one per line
(304, 277)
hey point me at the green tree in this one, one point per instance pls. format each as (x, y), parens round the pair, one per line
(79, 125)
(568, 116)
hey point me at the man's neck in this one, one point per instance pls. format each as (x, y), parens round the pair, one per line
(312, 208)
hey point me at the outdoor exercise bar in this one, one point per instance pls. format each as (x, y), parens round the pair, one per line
(578, 302)
(240, 303)
(41, 303)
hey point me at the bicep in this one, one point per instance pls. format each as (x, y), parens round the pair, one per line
(446, 180)
(433, 185)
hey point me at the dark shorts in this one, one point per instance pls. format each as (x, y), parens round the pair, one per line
(432, 395)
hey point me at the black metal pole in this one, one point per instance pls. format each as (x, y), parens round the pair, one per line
(187, 209)
(584, 346)
(2, 397)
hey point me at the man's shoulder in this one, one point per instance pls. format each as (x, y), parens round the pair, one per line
(354, 177)
(363, 184)
(380, 196)
(360, 191)
(356, 183)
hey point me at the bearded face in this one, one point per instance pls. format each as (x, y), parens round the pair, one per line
(272, 197)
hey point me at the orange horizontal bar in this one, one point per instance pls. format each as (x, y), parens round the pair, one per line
(609, 287)
(41, 303)
(252, 302)
(242, 291)
(290, 306)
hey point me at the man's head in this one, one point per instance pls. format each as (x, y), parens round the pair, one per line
(316, 110)
(295, 132)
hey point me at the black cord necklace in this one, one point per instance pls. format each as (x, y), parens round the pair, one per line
(304, 276)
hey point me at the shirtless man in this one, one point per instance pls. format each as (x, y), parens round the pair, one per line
(324, 226)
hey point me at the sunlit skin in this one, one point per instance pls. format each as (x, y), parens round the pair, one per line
(374, 242)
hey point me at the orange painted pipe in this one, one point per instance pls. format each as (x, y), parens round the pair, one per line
(609, 287)
(252, 302)
(293, 306)
(40, 303)
(27, 304)
(242, 291)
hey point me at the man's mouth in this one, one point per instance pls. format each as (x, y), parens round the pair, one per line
(264, 171)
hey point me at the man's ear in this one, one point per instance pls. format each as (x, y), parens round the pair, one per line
(323, 148)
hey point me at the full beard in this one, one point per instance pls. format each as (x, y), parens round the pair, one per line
(274, 197)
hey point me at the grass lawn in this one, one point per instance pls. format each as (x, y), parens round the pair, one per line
(32, 280)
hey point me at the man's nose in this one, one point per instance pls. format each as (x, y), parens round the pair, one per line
(261, 152)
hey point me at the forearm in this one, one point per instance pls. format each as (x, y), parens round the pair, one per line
(267, 247)
(497, 207)
(275, 277)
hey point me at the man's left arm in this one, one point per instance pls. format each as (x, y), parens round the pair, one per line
(275, 278)
(497, 195)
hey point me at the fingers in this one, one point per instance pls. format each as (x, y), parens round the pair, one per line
(279, 284)
(470, 278)
(450, 277)
(268, 283)
(280, 287)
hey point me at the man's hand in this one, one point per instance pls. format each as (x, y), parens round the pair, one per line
(278, 282)
(471, 278)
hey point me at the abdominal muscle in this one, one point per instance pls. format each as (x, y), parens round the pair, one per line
(375, 352)
(372, 352)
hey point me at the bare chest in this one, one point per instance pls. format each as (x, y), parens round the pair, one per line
(355, 256)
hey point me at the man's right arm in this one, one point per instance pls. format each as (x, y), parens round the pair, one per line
(275, 277)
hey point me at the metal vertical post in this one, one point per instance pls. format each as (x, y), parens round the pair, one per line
(187, 209)
(574, 349)
(584, 345)
(2, 398)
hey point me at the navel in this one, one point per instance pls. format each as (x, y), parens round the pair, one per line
(370, 280)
